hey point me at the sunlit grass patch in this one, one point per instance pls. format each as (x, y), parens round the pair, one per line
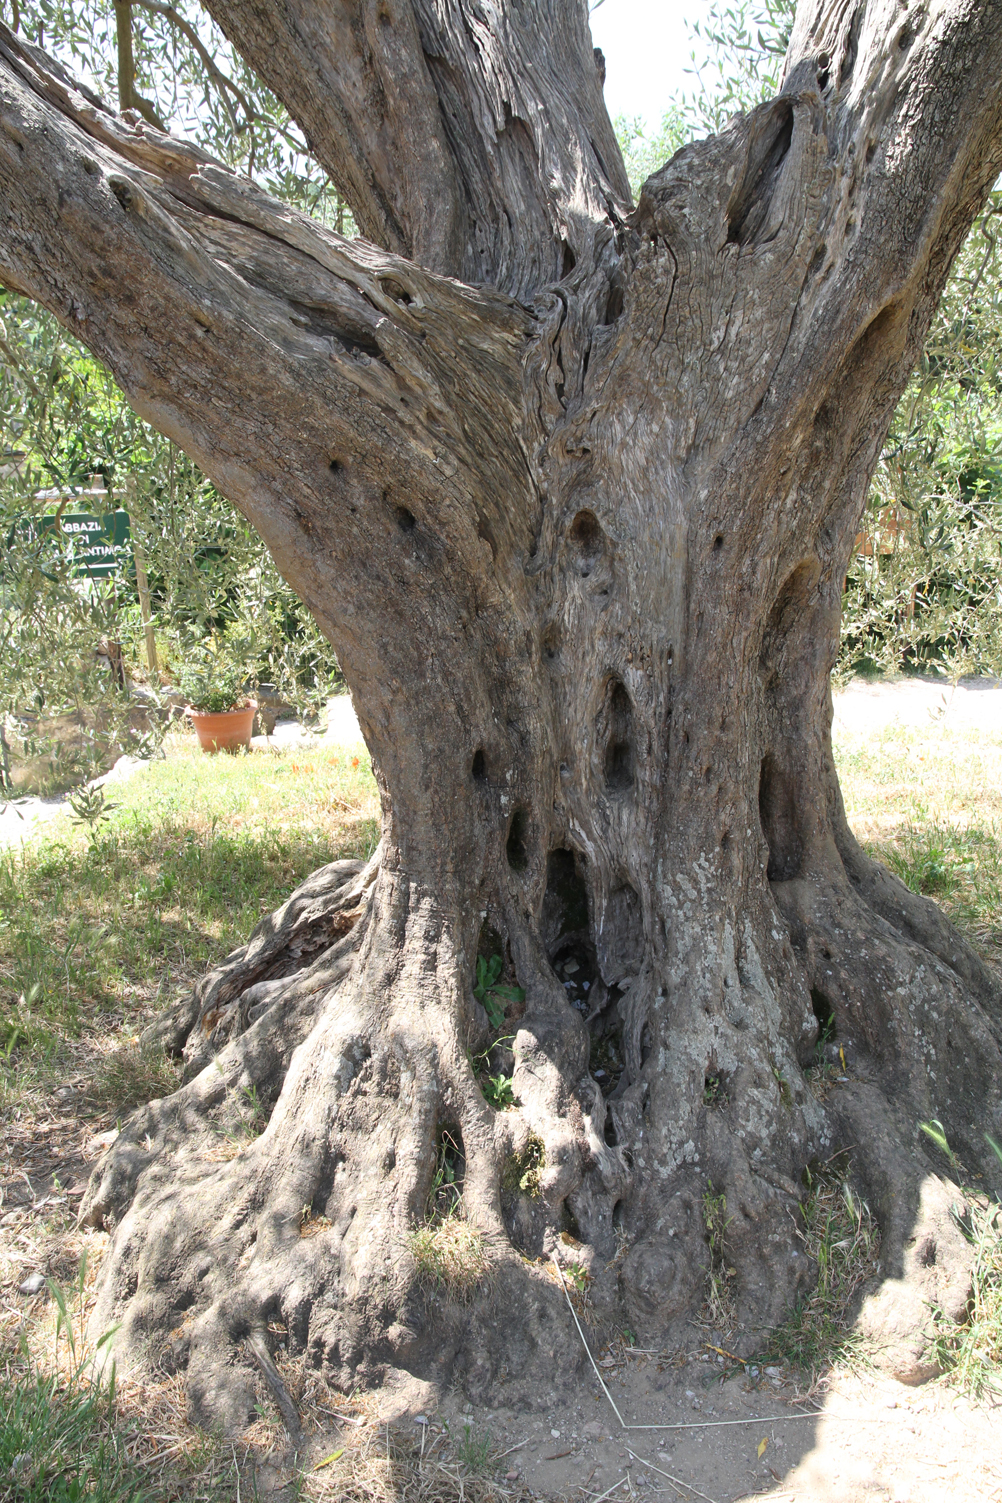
(910, 774)
(98, 931)
(927, 801)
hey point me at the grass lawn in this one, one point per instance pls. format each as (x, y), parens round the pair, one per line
(99, 929)
(927, 801)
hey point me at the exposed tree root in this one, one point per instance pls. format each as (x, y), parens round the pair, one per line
(297, 937)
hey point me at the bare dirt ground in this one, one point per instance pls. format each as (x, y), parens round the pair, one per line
(768, 1433)
(707, 1427)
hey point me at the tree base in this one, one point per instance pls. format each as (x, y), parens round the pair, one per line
(332, 1101)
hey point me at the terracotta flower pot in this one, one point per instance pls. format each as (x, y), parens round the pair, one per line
(224, 731)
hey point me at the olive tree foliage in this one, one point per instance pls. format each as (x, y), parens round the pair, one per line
(172, 63)
(736, 59)
(925, 588)
(65, 427)
(71, 647)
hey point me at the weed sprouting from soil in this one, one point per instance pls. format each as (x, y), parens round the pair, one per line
(719, 1308)
(840, 1236)
(472, 1448)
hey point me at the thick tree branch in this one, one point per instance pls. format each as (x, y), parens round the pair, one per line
(473, 140)
(214, 304)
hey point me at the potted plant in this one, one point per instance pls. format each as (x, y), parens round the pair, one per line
(217, 704)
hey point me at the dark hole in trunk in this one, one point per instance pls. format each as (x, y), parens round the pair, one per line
(587, 537)
(479, 768)
(825, 1014)
(716, 1091)
(619, 765)
(747, 213)
(566, 928)
(614, 307)
(406, 520)
(565, 902)
(569, 1223)
(551, 644)
(606, 1058)
(515, 849)
(619, 772)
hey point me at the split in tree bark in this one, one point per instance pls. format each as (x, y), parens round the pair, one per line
(579, 537)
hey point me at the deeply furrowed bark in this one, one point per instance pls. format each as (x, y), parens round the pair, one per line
(582, 561)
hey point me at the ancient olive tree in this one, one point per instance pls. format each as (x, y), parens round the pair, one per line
(572, 486)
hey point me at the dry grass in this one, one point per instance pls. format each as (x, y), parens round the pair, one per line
(452, 1255)
(345, 1452)
(385, 1464)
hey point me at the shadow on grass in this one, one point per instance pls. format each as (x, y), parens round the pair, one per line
(95, 936)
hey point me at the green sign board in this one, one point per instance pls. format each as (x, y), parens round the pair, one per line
(99, 546)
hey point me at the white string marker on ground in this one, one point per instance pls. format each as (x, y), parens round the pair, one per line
(770, 1419)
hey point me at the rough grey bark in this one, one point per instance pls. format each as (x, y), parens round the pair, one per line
(579, 537)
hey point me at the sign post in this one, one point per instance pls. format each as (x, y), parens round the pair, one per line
(100, 547)
(143, 591)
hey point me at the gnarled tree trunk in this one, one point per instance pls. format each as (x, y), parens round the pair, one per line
(573, 490)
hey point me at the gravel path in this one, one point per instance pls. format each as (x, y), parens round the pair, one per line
(872, 706)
